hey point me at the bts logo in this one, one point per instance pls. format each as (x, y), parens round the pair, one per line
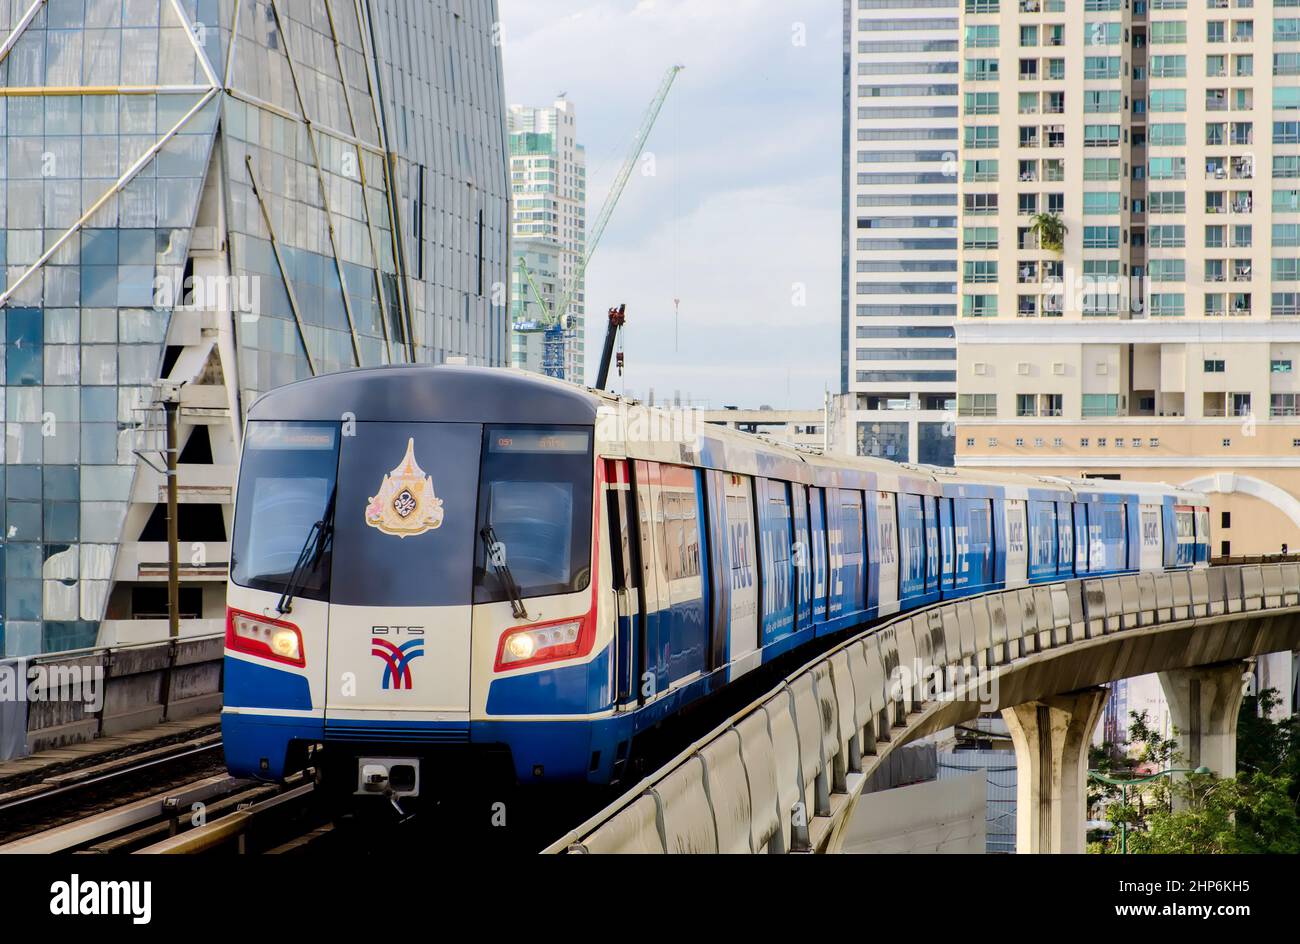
(397, 660)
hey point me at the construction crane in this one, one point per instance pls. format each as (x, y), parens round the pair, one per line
(552, 318)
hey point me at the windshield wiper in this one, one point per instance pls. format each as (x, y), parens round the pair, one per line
(496, 557)
(318, 537)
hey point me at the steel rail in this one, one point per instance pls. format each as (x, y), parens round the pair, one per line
(63, 838)
(236, 825)
(102, 778)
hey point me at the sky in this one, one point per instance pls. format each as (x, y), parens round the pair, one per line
(736, 208)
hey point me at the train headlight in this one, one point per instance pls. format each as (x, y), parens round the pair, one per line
(528, 645)
(285, 644)
(521, 646)
(261, 636)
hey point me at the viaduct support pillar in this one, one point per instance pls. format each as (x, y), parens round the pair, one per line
(1203, 706)
(1051, 737)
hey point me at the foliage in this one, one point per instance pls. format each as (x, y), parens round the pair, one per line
(1249, 813)
(1050, 230)
(1267, 746)
(1254, 812)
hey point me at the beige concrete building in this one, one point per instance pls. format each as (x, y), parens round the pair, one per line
(802, 429)
(1160, 340)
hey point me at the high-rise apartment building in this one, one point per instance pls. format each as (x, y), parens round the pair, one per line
(899, 301)
(548, 174)
(201, 200)
(1158, 335)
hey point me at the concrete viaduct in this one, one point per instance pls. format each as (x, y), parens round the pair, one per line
(784, 774)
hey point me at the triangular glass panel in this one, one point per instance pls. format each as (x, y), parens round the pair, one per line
(75, 45)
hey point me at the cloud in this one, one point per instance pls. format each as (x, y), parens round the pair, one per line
(742, 212)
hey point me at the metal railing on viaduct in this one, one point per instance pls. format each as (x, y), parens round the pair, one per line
(784, 774)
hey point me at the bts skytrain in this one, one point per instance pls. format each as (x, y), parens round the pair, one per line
(432, 562)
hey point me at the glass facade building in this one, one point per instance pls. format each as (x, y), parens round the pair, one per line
(227, 195)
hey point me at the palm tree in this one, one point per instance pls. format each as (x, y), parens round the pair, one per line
(1050, 230)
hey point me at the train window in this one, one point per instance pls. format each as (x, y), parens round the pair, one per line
(286, 484)
(681, 530)
(535, 495)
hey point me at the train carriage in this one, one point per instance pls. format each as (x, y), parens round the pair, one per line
(429, 562)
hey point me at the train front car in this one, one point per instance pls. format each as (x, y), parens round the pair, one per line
(412, 583)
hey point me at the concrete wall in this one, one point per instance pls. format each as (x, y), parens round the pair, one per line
(80, 696)
(942, 816)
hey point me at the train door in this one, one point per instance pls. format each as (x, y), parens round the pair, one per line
(801, 556)
(931, 546)
(776, 568)
(948, 559)
(1042, 540)
(650, 675)
(1065, 539)
(974, 544)
(1185, 530)
(912, 547)
(624, 548)
(405, 544)
(743, 535)
(686, 615)
(1017, 550)
(1081, 538)
(848, 553)
(886, 557)
(1202, 535)
(819, 551)
(1152, 556)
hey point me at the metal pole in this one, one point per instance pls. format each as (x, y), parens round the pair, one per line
(173, 540)
(170, 405)
(1123, 826)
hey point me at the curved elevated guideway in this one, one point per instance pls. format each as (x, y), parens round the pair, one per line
(784, 774)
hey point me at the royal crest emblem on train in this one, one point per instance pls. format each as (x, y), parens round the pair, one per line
(406, 505)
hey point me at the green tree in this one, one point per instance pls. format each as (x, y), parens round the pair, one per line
(1257, 811)
(1267, 746)
(1050, 230)
(1249, 813)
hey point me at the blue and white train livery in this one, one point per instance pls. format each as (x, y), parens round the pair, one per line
(433, 560)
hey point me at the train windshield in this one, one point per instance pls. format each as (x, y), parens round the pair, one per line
(287, 481)
(535, 499)
(404, 507)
